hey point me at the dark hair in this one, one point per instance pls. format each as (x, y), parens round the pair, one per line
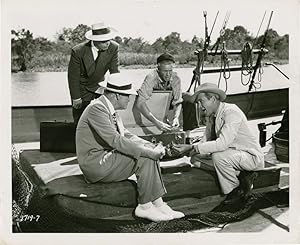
(165, 57)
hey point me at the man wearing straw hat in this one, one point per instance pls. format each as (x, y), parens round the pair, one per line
(88, 64)
(229, 141)
(107, 152)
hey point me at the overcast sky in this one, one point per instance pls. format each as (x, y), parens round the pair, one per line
(148, 19)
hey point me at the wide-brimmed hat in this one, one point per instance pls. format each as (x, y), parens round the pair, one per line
(208, 88)
(100, 32)
(118, 84)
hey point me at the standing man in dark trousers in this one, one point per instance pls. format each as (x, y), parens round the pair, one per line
(88, 64)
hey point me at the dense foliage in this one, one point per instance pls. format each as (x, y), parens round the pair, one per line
(40, 54)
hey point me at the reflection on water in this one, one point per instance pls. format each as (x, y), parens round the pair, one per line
(51, 88)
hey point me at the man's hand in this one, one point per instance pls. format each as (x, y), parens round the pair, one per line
(77, 103)
(163, 126)
(175, 122)
(158, 152)
(182, 148)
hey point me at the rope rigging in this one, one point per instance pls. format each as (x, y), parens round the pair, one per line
(202, 54)
(259, 28)
(224, 68)
(247, 62)
(224, 63)
(258, 66)
(222, 33)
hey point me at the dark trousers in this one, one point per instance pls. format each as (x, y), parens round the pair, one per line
(78, 112)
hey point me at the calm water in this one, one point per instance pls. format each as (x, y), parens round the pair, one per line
(51, 88)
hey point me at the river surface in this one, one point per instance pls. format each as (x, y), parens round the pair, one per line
(51, 88)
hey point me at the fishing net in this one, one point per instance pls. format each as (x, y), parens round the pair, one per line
(30, 200)
(22, 190)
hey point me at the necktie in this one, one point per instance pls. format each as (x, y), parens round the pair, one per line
(213, 135)
(119, 123)
(99, 53)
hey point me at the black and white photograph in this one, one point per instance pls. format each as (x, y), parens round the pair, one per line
(150, 122)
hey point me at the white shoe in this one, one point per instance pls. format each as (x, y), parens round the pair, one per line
(165, 209)
(152, 214)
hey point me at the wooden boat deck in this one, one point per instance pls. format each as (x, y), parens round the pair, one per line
(190, 190)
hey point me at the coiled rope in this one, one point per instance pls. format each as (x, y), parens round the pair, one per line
(247, 62)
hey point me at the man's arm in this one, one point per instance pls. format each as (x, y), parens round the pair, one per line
(177, 98)
(177, 112)
(143, 108)
(114, 64)
(73, 80)
(98, 119)
(144, 93)
(229, 131)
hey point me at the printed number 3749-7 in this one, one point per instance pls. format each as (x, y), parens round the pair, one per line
(30, 218)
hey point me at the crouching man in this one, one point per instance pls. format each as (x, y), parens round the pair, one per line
(228, 140)
(107, 152)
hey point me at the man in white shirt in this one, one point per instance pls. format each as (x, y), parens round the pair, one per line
(228, 140)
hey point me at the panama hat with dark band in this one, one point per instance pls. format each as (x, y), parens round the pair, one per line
(100, 32)
(115, 83)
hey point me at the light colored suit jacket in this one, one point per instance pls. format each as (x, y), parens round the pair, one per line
(97, 136)
(83, 73)
(232, 131)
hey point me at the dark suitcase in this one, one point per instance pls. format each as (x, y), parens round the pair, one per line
(57, 137)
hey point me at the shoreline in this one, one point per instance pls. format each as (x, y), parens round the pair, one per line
(137, 67)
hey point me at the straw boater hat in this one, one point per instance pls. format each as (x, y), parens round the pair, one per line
(100, 32)
(116, 83)
(208, 88)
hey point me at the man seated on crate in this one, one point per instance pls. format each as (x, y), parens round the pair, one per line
(107, 152)
(163, 78)
(229, 141)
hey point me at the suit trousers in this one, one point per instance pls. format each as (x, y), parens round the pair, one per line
(78, 112)
(228, 165)
(115, 166)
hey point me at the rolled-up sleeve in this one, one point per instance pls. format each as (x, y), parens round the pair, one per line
(146, 89)
(176, 90)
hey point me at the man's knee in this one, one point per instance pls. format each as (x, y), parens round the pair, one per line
(144, 162)
(217, 158)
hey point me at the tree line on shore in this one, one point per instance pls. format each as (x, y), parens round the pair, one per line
(40, 54)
